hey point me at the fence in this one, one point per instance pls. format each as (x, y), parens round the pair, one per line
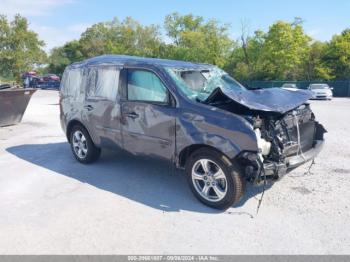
(340, 88)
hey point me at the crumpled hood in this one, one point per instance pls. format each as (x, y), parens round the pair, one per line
(277, 100)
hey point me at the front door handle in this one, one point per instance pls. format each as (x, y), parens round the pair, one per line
(89, 107)
(132, 115)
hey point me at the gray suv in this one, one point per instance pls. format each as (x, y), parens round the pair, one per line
(194, 115)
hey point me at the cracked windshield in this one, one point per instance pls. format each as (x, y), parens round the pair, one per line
(199, 84)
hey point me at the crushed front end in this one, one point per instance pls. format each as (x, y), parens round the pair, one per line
(285, 141)
(287, 134)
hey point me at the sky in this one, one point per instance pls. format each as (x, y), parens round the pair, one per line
(59, 21)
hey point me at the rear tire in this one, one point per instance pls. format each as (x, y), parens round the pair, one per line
(220, 184)
(84, 150)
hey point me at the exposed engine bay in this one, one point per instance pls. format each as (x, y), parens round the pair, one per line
(281, 137)
(290, 134)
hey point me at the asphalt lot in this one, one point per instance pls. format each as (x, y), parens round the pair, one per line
(50, 204)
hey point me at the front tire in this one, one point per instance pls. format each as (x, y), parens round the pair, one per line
(82, 146)
(214, 179)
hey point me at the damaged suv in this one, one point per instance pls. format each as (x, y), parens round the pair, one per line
(194, 115)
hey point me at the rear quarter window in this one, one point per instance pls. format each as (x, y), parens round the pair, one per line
(103, 82)
(71, 82)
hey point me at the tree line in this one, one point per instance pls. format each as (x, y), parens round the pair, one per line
(283, 52)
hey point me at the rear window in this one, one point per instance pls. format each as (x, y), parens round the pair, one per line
(103, 82)
(71, 82)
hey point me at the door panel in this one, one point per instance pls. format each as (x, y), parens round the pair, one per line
(148, 129)
(101, 107)
(148, 121)
(104, 119)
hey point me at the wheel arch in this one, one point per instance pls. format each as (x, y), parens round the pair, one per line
(186, 152)
(70, 126)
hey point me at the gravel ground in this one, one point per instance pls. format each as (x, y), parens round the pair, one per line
(49, 203)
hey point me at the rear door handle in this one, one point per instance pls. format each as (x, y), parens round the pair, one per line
(89, 107)
(132, 115)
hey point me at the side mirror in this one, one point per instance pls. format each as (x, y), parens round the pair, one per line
(331, 88)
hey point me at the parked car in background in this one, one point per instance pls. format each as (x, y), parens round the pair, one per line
(48, 81)
(50, 77)
(49, 84)
(30, 79)
(194, 115)
(29, 74)
(321, 91)
(5, 86)
(289, 86)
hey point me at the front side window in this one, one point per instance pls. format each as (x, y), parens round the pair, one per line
(103, 82)
(145, 86)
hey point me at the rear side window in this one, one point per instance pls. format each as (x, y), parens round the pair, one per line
(71, 82)
(146, 86)
(103, 82)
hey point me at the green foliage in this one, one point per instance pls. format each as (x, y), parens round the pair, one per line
(20, 48)
(337, 55)
(284, 52)
(285, 49)
(244, 61)
(131, 38)
(127, 37)
(315, 66)
(62, 56)
(195, 39)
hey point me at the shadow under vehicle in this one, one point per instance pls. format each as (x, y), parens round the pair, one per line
(194, 115)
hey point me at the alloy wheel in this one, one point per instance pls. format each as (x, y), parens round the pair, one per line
(209, 180)
(79, 144)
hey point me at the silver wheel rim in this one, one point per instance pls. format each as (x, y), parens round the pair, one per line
(209, 180)
(79, 144)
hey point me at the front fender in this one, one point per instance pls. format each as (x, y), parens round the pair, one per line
(227, 132)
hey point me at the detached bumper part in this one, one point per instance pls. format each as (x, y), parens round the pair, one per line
(279, 169)
(256, 169)
(291, 162)
(295, 161)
